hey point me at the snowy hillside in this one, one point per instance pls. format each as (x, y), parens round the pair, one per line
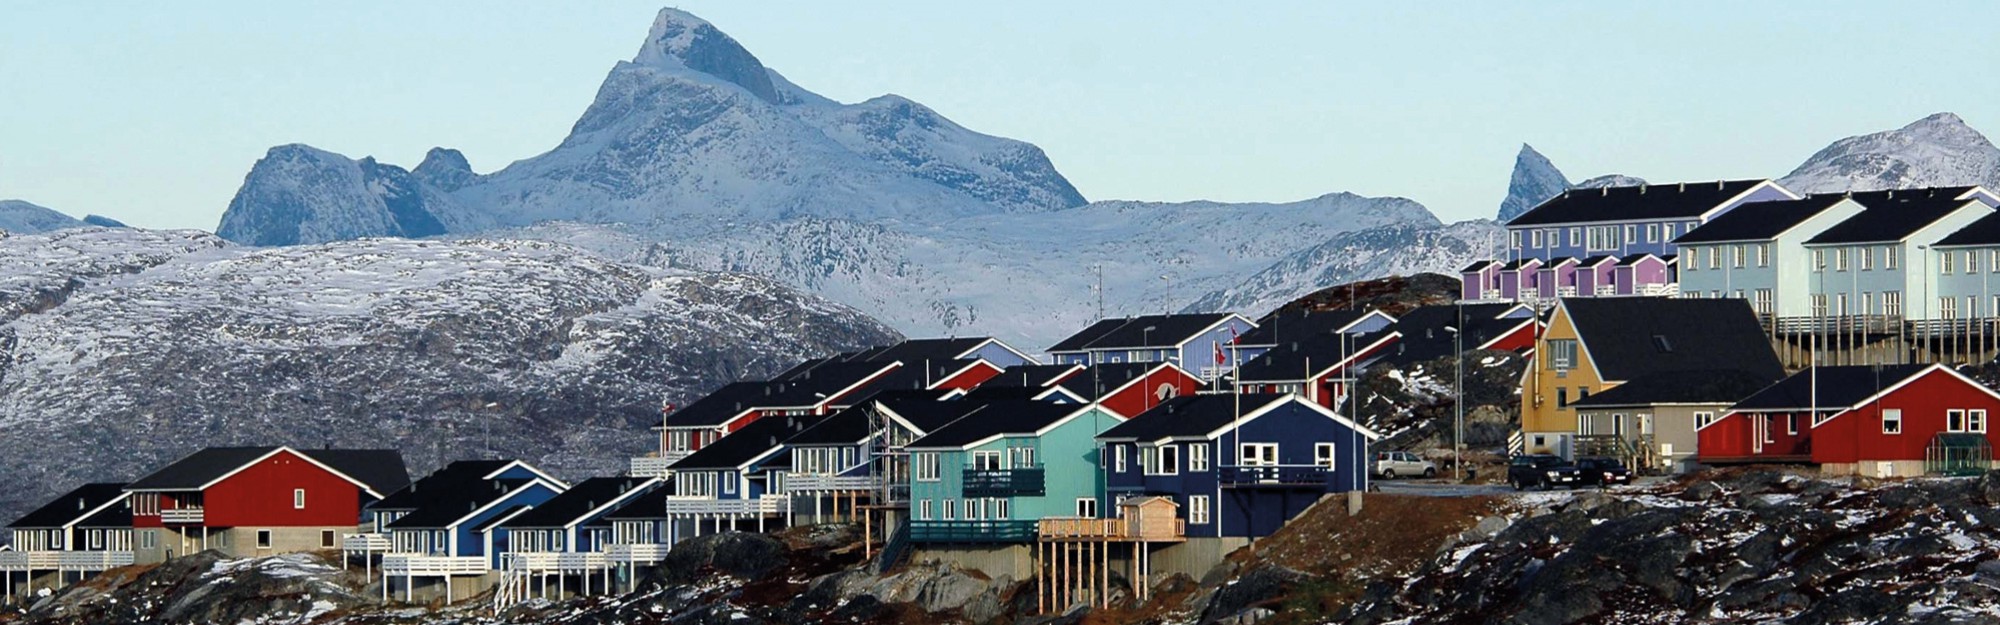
(442, 348)
(1391, 250)
(21, 217)
(1939, 150)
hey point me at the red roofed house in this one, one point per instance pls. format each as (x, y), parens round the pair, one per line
(1882, 421)
(257, 501)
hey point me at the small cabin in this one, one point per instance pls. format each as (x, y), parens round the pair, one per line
(1151, 518)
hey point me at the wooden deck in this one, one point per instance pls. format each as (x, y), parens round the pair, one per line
(1166, 530)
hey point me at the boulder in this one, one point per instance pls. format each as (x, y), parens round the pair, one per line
(737, 554)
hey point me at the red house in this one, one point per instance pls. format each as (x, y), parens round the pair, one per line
(252, 501)
(1129, 388)
(1882, 421)
(1320, 369)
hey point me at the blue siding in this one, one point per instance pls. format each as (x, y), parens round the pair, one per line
(470, 543)
(1198, 355)
(1001, 357)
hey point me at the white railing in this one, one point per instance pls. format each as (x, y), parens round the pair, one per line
(768, 504)
(418, 564)
(643, 553)
(368, 543)
(649, 466)
(95, 560)
(180, 516)
(1659, 290)
(30, 560)
(807, 483)
(1605, 290)
(1565, 291)
(554, 561)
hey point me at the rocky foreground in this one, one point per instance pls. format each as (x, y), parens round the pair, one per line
(1753, 546)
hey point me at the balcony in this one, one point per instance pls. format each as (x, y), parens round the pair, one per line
(1659, 290)
(813, 483)
(650, 466)
(641, 553)
(94, 560)
(768, 504)
(1274, 476)
(1027, 482)
(30, 560)
(365, 543)
(554, 561)
(182, 516)
(419, 564)
(1119, 529)
(973, 531)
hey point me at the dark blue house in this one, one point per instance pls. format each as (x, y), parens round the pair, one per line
(1238, 465)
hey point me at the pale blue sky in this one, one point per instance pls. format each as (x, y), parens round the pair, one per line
(152, 113)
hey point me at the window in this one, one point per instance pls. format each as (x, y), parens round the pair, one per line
(1792, 424)
(728, 482)
(1867, 257)
(986, 461)
(1763, 254)
(1761, 301)
(1258, 454)
(1819, 260)
(147, 540)
(925, 466)
(1954, 421)
(1840, 259)
(1971, 262)
(1944, 263)
(1770, 424)
(1736, 256)
(1714, 258)
(1840, 304)
(1819, 304)
(1022, 457)
(1993, 261)
(263, 539)
(1535, 238)
(1652, 233)
(1667, 230)
(1562, 354)
(1562, 397)
(1118, 455)
(1000, 509)
(1889, 256)
(1575, 236)
(1086, 507)
(1948, 307)
(298, 499)
(1975, 421)
(1892, 421)
(1161, 460)
(925, 510)
(1198, 510)
(326, 539)
(951, 509)
(1515, 238)
(1631, 234)
(1197, 457)
(975, 509)
(1702, 419)
(1323, 455)
(1892, 302)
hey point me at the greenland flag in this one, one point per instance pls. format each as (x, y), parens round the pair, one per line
(1219, 359)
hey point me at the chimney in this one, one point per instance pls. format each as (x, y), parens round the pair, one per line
(1606, 191)
(1682, 188)
(1718, 185)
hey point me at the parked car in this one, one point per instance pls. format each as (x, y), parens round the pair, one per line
(1603, 471)
(1392, 464)
(1542, 471)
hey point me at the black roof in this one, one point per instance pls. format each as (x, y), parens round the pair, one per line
(1519, 263)
(1195, 415)
(996, 419)
(452, 500)
(118, 516)
(929, 415)
(917, 375)
(915, 350)
(1634, 259)
(504, 515)
(1838, 388)
(1297, 359)
(1654, 201)
(1888, 218)
(1985, 231)
(1005, 393)
(380, 469)
(1714, 386)
(738, 448)
(72, 506)
(1138, 332)
(1477, 265)
(1032, 376)
(1287, 326)
(1424, 336)
(651, 505)
(1596, 260)
(438, 484)
(1628, 337)
(718, 407)
(804, 386)
(1759, 221)
(1096, 381)
(579, 500)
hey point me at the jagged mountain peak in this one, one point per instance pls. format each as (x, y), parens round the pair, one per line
(446, 169)
(1535, 180)
(1937, 150)
(678, 39)
(301, 194)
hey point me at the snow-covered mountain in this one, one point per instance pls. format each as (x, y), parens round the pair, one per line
(1535, 180)
(21, 217)
(1939, 150)
(138, 346)
(299, 194)
(1391, 250)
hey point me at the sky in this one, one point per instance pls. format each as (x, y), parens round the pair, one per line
(151, 113)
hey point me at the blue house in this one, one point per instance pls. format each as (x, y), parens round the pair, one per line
(991, 475)
(1628, 221)
(738, 478)
(1197, 342)
(1237, 465)
(443, 525)
(1308, 326)
(567, 536)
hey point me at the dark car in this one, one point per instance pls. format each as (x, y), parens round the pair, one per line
(1603, 471)
(1542, 471)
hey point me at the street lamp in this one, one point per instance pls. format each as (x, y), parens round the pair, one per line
(1458, 403)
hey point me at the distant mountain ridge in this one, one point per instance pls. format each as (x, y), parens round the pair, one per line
(1938, 150)
(22, 217)
(1535, 180)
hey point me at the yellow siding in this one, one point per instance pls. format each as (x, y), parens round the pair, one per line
(1539, 412)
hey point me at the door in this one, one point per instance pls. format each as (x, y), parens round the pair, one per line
(1760, 426)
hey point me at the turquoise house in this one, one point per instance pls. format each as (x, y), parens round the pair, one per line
(991, 476)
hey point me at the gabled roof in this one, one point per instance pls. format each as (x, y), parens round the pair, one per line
(1012, 418)
(375, 471)
(573, 506)
(1423, 333)
(919, 375)
(718, 407)
(1558, 262)
(1288, 326)
(1984, 231)
(1097, 382)
(851, 425)
(1006, 393)
(1685, 200)
(1634, 260)
(924, 416)
(1888, 217)
(745, 446)
(1308, 359)
(821, 384)
(461, 500)
(1597, 260)
(1759, 221)
(1034, 376)
(1520, 263)
(438, 484)
(1478, 266)
(75, 506)
(117, 515)
(1717, 386)
(917, 350)
(1208, 416)
(650, 505)
(1838, 388)
(1628, 337)
(1149, 331)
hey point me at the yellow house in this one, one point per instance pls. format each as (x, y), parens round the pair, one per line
(1593, 344)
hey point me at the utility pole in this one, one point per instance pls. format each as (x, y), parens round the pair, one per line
(1458, 428)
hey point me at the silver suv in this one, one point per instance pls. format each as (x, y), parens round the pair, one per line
(1390, 465)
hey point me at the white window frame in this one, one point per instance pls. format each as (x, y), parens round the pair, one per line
(1516, 238)
(1575, 236)
(1866, 258)
(1118, 457)
(1737, 255)
(1198, 510)
(1975, 420)
(1840, 259)
(298, 499)
(1197, 457)
(1246, 457)
(1890, 256)
(1562, 354)
(1324, 455)
(1652, 233)
(1892, 421)
(989, 460)
(951, 509)
(1086, 507)
(1535, 239)
(924, 466)
(926, 510)
(1819, 260)
(1763, 254)
(264, 539)
(1702, 418)
(1954, 420)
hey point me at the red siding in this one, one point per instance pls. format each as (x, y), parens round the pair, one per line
(1139, 396)
(261, 496)
(973, 376)
(1734, 436)
(1856, 435)
(1520, 340)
